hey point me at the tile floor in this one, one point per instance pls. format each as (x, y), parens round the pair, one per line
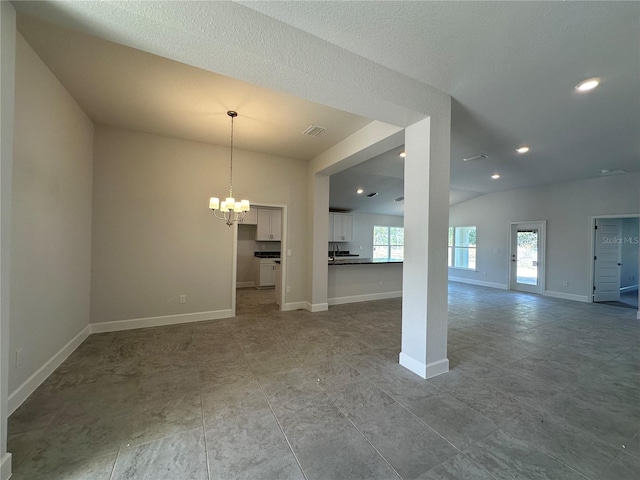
(539, 388)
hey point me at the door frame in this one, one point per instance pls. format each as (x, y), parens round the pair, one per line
(283, 257)
(592, 249)
(542, 253)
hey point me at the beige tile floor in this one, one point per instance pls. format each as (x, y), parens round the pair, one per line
(539, 388)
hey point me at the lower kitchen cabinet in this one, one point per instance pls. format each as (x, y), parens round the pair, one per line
(265, 273)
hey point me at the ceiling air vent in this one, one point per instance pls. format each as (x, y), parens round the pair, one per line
(475, 157)
(314, 131)
(372, 194)
(399, 199)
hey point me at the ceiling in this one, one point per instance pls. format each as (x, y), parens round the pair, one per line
(124, 87)
(510, 68)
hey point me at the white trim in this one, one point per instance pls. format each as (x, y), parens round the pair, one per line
(5, 466)
(429, 370)
(119, 325)
(501, 286)
(437, 368)
(638, 315)
(316, 307)
(30, 384)
(294, 306)
(542, 257)
(367, 297)
(630, 288)
(245, 284)
(566, 296)
(412, 364)
(592, 239)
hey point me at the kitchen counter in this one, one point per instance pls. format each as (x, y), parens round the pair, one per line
(362, 261)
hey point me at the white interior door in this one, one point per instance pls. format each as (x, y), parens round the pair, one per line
(607, 260)
(527, 257)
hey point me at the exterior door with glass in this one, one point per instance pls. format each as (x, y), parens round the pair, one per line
(527, 257)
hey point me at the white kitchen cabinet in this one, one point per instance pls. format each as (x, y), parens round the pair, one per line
(250, 218)
(269, 225)
(341, 227)
(266, 273)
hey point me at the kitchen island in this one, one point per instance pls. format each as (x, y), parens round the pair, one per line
(355, 279)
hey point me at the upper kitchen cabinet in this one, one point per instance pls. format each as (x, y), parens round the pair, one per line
(340, 227)
(269, 225)
(250, 217)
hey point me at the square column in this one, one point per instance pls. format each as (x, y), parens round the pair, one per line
(426, 222)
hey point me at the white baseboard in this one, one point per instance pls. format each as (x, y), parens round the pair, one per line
(245, 284)
(294, 306)
(364, 298)
(5, 467)
(30, 384)
(566, 296)
(134, 323)
(630, 288)
(316, 307)
(429, 370)
(480, 283)
(437, 368)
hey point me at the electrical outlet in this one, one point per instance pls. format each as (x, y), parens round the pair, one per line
(288, 252)
(18, 358)
(182, 299)
(288, 289)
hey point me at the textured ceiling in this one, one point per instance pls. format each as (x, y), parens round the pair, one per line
(121, 86)
(510, 68)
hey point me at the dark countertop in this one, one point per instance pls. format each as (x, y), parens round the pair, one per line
(267, 254)
(362, 261)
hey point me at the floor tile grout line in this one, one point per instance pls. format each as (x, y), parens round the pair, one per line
(363, 435)
(282, 430)
(204, 435)
(408, 410)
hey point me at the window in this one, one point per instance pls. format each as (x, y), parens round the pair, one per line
(388, 242)
(462, 247)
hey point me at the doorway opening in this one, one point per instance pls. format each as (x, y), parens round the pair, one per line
(527, 257)
(615, 267)
(259, 267)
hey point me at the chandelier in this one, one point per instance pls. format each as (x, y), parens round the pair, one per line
(230, 210)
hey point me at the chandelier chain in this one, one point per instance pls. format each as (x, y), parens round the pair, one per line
(231, 162)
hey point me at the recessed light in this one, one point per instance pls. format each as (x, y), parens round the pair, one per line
(403, 154)
(522, 149)
(495, 176)
(587, 85)
(359, 191)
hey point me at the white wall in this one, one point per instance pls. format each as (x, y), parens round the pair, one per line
(156, 239)
(568, 209)
(363, 223)
(7, 103)
(630, 247)
(51, 224)
(362, 283)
